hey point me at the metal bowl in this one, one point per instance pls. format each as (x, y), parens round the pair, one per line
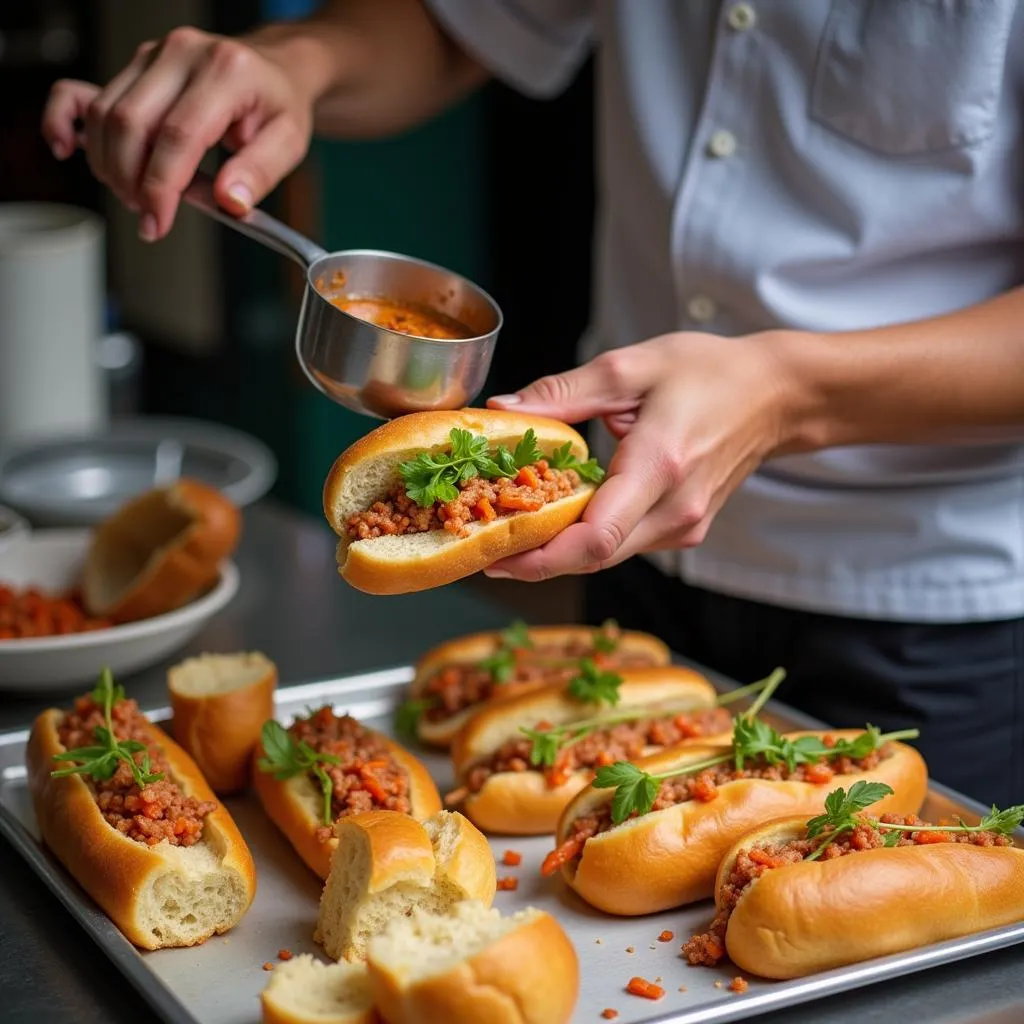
(370, 369)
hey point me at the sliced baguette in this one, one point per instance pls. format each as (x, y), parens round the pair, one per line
(159, 896)
(368, 470)
(474, 966)
(386, 865)
(159, 551)
(306, 991)
(220, 702)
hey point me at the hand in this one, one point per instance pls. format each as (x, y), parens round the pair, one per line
(146, 132)
(695, 414)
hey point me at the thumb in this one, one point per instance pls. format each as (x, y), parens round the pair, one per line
(256, 169)
(610, 385)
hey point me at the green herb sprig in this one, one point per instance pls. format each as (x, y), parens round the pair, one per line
(435, 476)
(592, 685)
(636, 790)
(285, 757)
(502, 663)
(563, 458)
(548, 743)
(842, 815)
(100, 761)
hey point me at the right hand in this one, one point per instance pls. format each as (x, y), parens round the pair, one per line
(146, 132)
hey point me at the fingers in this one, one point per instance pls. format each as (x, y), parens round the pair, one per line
(633, 487)
(68, 102)
(611, 385)
(276, 149)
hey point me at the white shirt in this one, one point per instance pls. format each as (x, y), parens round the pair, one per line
(814, 165)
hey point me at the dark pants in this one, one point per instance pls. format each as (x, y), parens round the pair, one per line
(962, 685)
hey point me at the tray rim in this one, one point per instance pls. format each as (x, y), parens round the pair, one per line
(132, 962)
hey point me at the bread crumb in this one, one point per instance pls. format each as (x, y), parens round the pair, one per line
(659, 979)
(718, 984)
(268, 966)
(682, 988)
(631, 949)
(599, 942)
(653, 945)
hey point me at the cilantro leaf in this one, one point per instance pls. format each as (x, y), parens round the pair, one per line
(408, 715)
(635, 790)
(594, 686)
(562, 458)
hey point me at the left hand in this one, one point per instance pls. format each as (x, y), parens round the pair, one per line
(695, 415)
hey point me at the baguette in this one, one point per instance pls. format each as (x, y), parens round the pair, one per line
(159, 551)
(667, 858)
(488, 754)
(159, 895)
(456, 679)
(474, 966)
(296, 805)
(794, 919)
(220, 702)
(386, 865)
(390, 558)
(305, 991)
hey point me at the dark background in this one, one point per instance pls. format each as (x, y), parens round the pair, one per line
(500, 189)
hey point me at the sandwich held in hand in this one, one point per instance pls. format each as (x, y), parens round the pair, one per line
(799, 896)
(386, 865)
(649, 836)
(326, 766)
(129, 815)
(456, 678)
(432, 497)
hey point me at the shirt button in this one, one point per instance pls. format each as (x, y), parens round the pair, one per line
(741, 17)
(701, 309)
(722, 144)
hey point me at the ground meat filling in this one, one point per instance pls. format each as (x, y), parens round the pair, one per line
(479, 500)
(457, 687)
(704, 787)
(623, 742)
(159, 812)
(708, 948)
(367, 777)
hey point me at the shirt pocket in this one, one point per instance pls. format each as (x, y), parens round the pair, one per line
(905, 77)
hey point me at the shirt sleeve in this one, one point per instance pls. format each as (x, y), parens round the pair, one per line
(535, 46)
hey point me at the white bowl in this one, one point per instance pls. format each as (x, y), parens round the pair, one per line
(51, 560)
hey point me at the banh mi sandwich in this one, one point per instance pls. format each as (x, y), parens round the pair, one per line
(130, 816)
(326, 766)
(458, 677)
(649, 836)
(519, 761)
(432, 497)
(799, 896)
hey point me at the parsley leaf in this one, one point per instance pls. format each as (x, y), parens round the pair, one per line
(527, 452)
(635, 790)
(408, 715)
(545, 745)
(840, 807)
(516, 635)
(594, 686)
(606, 639)
(100, 760)
(562, 458)
(284, 758)
(1004, 822)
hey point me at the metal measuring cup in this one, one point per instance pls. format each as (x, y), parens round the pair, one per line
(369, 369)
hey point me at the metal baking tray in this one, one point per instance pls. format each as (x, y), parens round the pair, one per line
(219, 982)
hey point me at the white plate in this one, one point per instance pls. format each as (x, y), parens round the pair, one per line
(51, 560)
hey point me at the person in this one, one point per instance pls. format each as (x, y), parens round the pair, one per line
(806, 359)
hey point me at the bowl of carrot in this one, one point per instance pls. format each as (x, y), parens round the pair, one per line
(48, 639)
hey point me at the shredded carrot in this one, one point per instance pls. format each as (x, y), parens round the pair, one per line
(527, 478)
(508, 884)
(640, 987)
(284, 954)
(484, 510)
(512, 859)
(818, 774)
(456, 796)
(739, 985)
(268, 966)
(930, 838)
(604, 759)
(519, 503)
(562, 855)
(372, 786)
(666, 936)
(609, 1014)
(762, 858)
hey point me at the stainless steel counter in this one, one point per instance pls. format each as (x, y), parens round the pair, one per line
(293, 606)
